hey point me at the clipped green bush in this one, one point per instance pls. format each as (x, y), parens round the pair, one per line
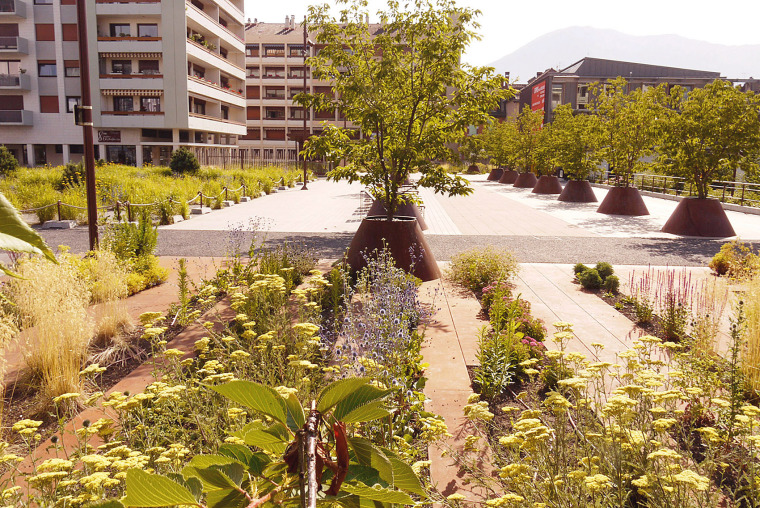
(590, 279)
(477, 268)
(8, 162)
(73, 175)
(183, 161)
(579, 268)
(604, 270)
(611, 284)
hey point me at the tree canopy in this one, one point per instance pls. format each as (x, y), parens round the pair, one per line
(403, 86)
(530, 142)
(575, 141)
(499, 143)
(709, 133)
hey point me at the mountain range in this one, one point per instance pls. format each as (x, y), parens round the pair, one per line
(561, 48)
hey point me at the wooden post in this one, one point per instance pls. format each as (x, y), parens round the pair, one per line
(59, 209)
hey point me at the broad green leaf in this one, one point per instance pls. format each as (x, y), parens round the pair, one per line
(337, 391)
(229, 476)
(152, 490)
(295, 415)
(367, 454)
(357, 398)
(378, 493)
(255, 396)
(226, 498)
(256, 462)
(113, 503)
(367, 413)
(192, 484)
(404, 477)
(272, 439)
(365, 474)
(202, 461)
(17, 236)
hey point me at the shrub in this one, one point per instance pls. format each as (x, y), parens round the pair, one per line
(8, 162)
(590, 279)
(290, 261)
(611, 284)
(183, 161)
(477, 268)
(735, 260)
(579, 268)
(604, 270)
(499, 290)
(73, 175)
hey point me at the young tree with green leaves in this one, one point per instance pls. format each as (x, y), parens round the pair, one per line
(710, 133)
(404, 88)
(529, 144)
(575, 141)
(499, 141)
(629, 121)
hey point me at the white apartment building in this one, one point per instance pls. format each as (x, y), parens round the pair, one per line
(274, 62)
(163, 74)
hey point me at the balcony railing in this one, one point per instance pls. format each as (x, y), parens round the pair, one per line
(13, 8)
(10, 80)
(13, 43)
(17, 117)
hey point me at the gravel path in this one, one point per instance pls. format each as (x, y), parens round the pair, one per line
(528, 249)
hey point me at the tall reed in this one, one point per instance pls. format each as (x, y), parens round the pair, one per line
(751, 357)
(709, 300)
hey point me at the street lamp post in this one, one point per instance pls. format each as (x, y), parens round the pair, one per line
(84, 118)
(303, 134)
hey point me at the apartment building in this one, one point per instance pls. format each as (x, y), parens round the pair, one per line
(552, 88)
(163, 74)
(275, 70)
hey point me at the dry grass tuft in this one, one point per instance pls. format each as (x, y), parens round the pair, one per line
(751, 359)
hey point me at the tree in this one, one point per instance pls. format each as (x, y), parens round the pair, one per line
(710, 133)
(575, 142)
(529, 142)
(499, 143)
(184, 161)
(472, 149)
(629, 121)
(8, 162)
(405, 89)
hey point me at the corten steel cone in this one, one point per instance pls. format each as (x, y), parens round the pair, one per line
(509, 176)
(473, 169)
(547, 185)
(699, 217)
(403, 210)
(495, 174)
(578, 191)
(623, 201)
(400, 235)
(526, 181)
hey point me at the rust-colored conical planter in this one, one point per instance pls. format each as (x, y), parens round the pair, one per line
(495, 174)
(403, 209)
(699, 217)
(473, 169)
(547, 185)
(578, 191)
(526, 181)
(509, 176)
(623, 201)
(400, 235)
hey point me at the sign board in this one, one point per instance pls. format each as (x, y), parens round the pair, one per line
(109, 136)
(538, 97)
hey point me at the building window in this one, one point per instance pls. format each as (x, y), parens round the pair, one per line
(121, 67)
(121, 154)
(252, 72)
(10, 67)
(198, 72)
(274, 50)
(198, 107)
(71, 102)
(152, 104)
(119, 30)
(70, 70)
(147, 30)
(148, 66)
(47, 70)
(76, 149)
(225, 112)
(44, 31)
(582, 99)
(251, 50)
(48, 104)
(43, 2)
(70, 32)
(223, 52)
(556, 96)
(123, 104)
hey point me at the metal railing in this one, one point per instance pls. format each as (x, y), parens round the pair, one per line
(736, 193)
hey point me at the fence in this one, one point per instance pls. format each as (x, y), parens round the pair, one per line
(120, 207)
(736, 193)
(243, 160)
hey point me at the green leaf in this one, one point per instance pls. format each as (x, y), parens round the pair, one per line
(152, 490)
(226, 498)
(256, 462)
(367, 454)
(203, 461)
(192, 484)
(295, 418)
(359, 397)
(273, 439)
(113, 503)
(337, 391)
(255, 396)
(378, 493)
(366, 413)
(404, 477)
(17, 236)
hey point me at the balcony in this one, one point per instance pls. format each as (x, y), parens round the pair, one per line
(14, 45)
(202, 54)
(129, 44)
(12, 9)
(202, 122)
(16, 117)
(206, 88)
(127, 7)
(15, 82)
(204, 20)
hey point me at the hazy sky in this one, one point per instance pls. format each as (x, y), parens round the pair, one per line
(507, 25)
